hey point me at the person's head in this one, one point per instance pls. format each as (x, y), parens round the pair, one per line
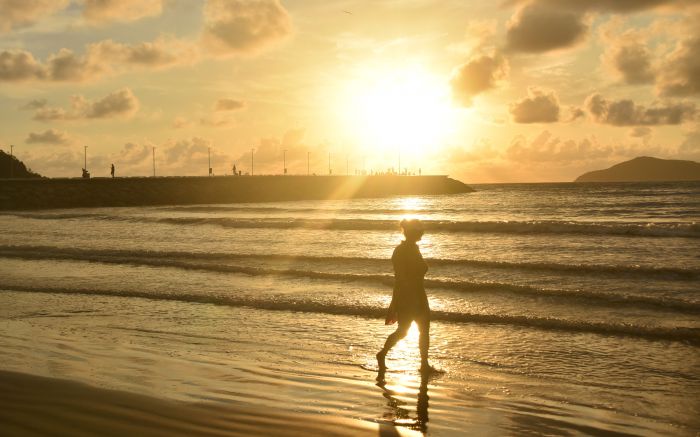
(412, 229)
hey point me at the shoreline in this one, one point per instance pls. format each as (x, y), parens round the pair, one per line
(27, 194)
(38, 405)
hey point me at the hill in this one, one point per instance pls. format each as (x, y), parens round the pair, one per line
(13, 167)
(645, 169)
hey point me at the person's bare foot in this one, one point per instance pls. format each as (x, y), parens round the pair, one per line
(427, 369)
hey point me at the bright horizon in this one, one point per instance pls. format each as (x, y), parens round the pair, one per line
(480, 91)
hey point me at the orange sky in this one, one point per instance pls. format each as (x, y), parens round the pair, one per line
(538, 90)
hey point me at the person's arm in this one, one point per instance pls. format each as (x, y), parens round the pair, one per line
(391, 314)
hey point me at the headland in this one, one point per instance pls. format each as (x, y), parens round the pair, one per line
(646, 169)
(45, 193)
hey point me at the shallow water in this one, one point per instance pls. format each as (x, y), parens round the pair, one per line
(559, 308)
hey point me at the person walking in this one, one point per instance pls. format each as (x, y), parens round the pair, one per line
(409, 302)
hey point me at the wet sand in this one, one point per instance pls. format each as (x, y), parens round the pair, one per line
(34, 405)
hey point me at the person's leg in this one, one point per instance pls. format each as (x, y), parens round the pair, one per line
(424, 339)
(394, 337)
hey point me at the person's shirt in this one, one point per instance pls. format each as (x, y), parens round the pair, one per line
(409, 268)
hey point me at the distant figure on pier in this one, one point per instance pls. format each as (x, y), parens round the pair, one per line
(234, 170)
(111, 170)
(86, 174)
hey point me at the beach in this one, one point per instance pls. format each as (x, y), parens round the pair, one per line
(557, 309)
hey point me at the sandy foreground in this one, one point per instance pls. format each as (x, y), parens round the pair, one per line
(34, 405)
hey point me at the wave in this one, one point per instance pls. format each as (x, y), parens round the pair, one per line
(683, 230)
(635, 271)
(689, 335)
(163, 259)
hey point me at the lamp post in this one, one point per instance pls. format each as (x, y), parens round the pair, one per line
(251, 161)
(154, 161)
(308, 167)
(209, 154)
(399, 162)
(12, 161)
(329, 164)
(85, 163)
(284, 161)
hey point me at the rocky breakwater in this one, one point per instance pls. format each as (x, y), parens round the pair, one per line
(18, 194)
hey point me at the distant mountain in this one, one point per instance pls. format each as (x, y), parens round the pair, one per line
(645, 169)
(13, 167)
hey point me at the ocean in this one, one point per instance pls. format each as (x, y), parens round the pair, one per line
(556, 308)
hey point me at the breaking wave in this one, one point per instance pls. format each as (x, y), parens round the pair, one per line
(689, 335)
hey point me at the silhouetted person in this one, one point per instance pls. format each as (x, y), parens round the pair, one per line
(111, 170)
(235, 173)
(86, 174)
(409, 302)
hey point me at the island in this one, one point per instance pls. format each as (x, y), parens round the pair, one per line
(44, 193)
(646, 169)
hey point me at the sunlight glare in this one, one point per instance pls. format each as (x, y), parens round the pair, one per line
(406, 110)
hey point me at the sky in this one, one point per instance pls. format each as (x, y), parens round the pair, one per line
(499, 91)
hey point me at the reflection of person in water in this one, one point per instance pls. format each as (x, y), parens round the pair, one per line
(400, 413)
(409, 302)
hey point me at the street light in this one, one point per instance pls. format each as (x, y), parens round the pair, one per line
(399, 162)
(12, 161)
(85, 164)
(154, 161)
(308, 167)
(209, 153)
(284, 162)
(251, 161)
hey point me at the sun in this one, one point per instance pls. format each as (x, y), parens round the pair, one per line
(401, 110)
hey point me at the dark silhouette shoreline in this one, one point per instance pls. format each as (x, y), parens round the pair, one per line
(45, 193)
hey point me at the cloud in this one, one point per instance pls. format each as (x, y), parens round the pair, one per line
(539, 107)
(575, 113)
(229, 105)
(120, 103)
(269, 155)
(34, 104)
(101, 58)
(66, 66)
(50, 136)
(627, 113)
(537, 28)
(214, 121)
(680, 74)
(690, 147)
(19, 65)
(98, 11)
(19, 13)
(162, 52)
(133, 154)
(640, 132)
(478, 75)
(236, 27)
(181, 123)
(548, 148)
(631, 61)
(616, 6)
(480, 150)
(191, 157)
